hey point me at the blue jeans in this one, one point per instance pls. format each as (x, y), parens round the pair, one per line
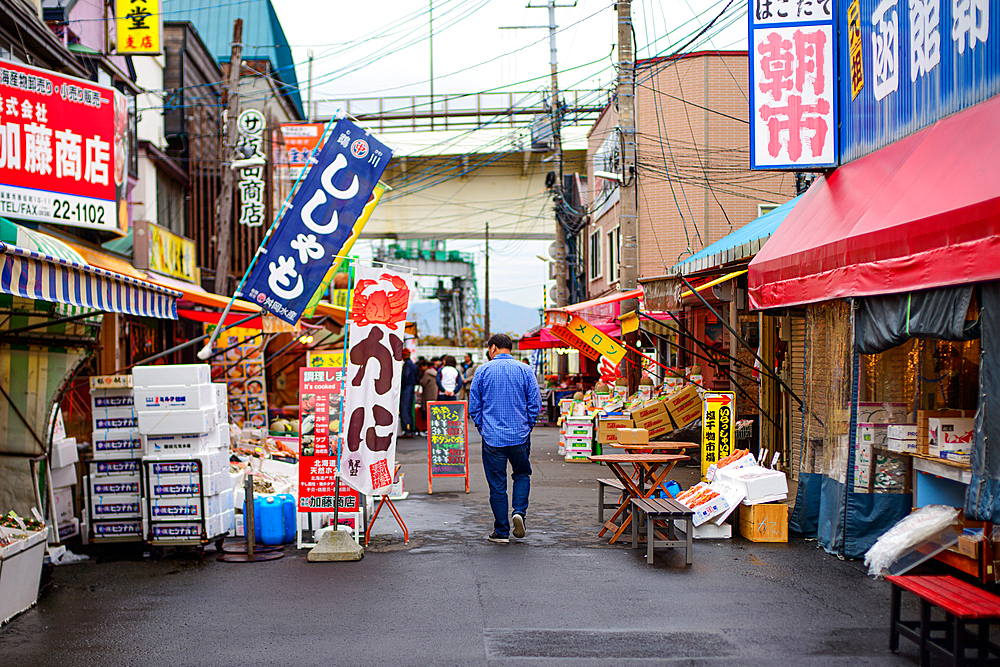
(406, 408)
(495, 463)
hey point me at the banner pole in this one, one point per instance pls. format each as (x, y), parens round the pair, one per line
(340, 448)
(205, 352)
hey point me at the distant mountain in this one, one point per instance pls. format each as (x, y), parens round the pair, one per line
(504, 317)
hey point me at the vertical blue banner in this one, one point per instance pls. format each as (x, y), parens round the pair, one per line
(317, 223)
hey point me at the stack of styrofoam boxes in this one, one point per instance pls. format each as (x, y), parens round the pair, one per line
(113, 485)
(565, 410)
(64, 458)
(579, 437)
(183, 421)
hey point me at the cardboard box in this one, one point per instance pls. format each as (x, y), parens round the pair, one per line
(176, 397)
(577, 444)
(182, 445)
(683, 398)
(882, 413)
(166, 376)
(873, 435)
(688, 414)
(633, 436)
(578, 426)
(119, 443)
(764, 523)
(171, 422)
(64, 452)
(949, 434)
(924, 416)
(124, 506)
(901, 432)
(63, 504)
(660, 430)
(65, 476)
(607, 428)
(649, 410)
(969, 546)
(110, 382)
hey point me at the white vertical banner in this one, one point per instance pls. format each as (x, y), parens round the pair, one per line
(374, 369)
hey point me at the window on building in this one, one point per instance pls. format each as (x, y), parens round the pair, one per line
(765, 208)
(614, 256)
(595, 255)
(171, 208)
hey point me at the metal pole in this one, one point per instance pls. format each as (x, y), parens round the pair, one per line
(224, 232)
(486, 314)
(310, 114)
(249, 520)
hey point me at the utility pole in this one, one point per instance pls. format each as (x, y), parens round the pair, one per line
(486, 310)
(310, 114)
(628, 218)
(223, 233)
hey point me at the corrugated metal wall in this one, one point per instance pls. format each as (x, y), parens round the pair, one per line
(797, 361)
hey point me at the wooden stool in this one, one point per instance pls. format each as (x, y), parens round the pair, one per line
(665, 511)
(601, 504)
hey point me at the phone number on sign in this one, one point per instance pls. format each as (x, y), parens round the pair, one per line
(83, 213)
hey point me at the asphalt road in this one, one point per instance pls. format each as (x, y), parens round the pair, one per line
(561, 596)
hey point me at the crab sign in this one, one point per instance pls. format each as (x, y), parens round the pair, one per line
(380, 307)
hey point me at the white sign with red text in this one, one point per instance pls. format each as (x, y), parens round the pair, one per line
(793, 94)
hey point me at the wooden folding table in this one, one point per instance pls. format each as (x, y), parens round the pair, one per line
(654, 467)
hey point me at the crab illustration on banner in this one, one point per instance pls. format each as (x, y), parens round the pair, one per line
(318, 222)
(374, 370)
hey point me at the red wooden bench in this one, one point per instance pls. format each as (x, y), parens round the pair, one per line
(969, 613)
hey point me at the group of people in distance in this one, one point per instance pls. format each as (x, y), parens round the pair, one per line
(439, 378)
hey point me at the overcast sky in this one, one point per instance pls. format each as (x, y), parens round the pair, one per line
(380, 48)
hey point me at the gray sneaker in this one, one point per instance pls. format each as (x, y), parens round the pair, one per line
(518, 521)
(493, 537)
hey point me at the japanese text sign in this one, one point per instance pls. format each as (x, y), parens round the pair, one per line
(596, 339)
(319, 220)
(793, 88)
(63, 149)
(447, 441)
(162, 251)
(564, 334)
(718, 427)
(374, 374)
(251, 163)
(303, 142)
(909, 63)
(320, 396)
(139, 26)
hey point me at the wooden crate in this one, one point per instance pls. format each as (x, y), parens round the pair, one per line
(923, 438)
(764, 523)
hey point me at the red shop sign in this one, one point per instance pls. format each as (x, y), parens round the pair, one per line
(320, 406)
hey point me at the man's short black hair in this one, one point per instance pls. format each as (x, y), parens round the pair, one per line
(502, 341)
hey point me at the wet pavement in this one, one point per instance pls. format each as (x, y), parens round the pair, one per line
(561, 596)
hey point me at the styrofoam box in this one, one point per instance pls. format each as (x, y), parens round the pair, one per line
(221, 393)
(181, 445)
(63, 504)
(122, 468)
(210, 463)
(153, 376)
(65, 476)
(758, 483)
(170, 422)
(121, 506)
(905, 446)
(117, 485)
(164, 486)
(168, 532)
(221, 437)
(110, 398)
(117, 529)
(901, 432)
(188, 508)
(128, 421)
(64, 452)
(175, 397)
(118, 443)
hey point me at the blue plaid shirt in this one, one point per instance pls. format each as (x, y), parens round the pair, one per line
(504, 401)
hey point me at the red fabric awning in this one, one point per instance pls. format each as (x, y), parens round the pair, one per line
(543, 339)
(922, 212)
(213, 318)
(614, 297)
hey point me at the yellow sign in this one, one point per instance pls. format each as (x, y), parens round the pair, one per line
(139, 26)
(854, 42)
(171, 255)
(718, 427)
(326, 360)
(595, 339)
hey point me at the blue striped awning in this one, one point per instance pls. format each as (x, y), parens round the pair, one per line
(33, 275)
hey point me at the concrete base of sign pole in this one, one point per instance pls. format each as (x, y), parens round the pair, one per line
(335, 545)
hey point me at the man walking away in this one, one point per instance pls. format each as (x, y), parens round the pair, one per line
(504, 403)
(408, 382)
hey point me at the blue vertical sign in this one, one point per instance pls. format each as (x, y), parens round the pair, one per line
(793, 86)
(909, 63)
(317, 223)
